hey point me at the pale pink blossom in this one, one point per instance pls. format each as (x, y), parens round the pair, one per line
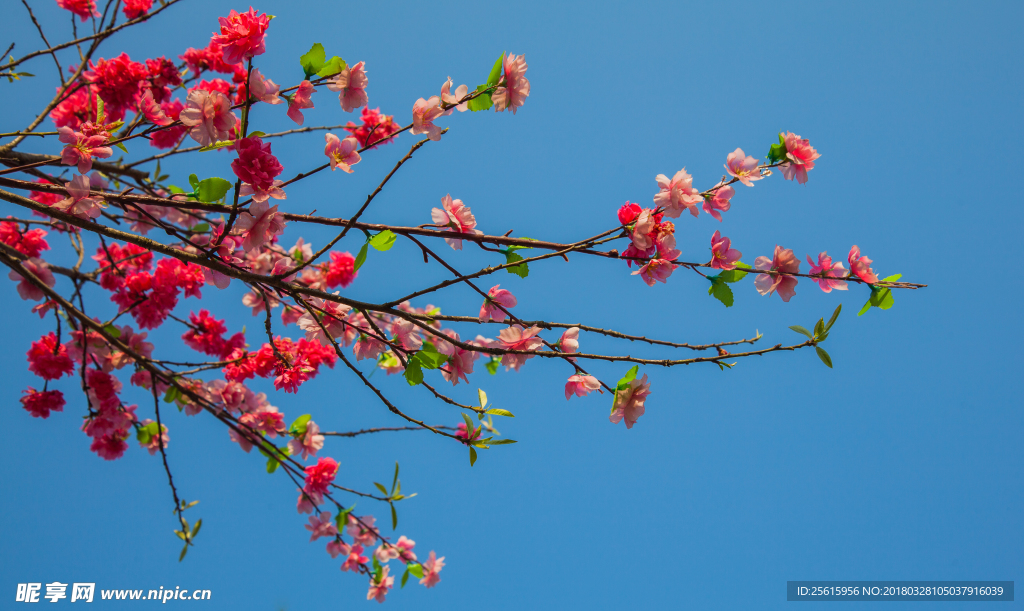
(342, 153)
(405, 547)
(379, 588)
(431, 568)
(337, 547)
(309, 443)
(677, 194)
(718, 201)
(801, 156)
(515, 87)
(321, 526)
(362, 530)
(209, 115)
(351, 85)
(629, 402)
(460, 92)
(830, 270)
(78, 202)
(385, 553)
(495, 297)
(581, 385)
(723, 255)
(456, 217)
(861, 266)
(569, 342)
(782, 261)
(302, 98)
(80, 148)
(518, 338)
(656, 270)
(644, 225)
(460, 361)
(259, 224)
(330, 316)
(423, 114)
(407, 334)
(153, 112)
(263, 89)
(39, 269)
(354, 558)
(743, 168)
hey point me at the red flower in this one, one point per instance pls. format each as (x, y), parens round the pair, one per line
(375, 128)
(341, 270)
(40, 404)
(48, 359)
(242, 35)
(117, 82)
(136, 8)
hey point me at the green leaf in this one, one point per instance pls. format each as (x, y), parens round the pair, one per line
(143, 436)
(416, 569)
(777, 152)
(360, 258)
(394, 482)
(495, 75)
(819, 327)
(732, 275)
(313, 60)
(99, 110)
(892, 278)
(501, 442)
(332, 67)
(175, 189)
(121, 146)
(413, 374)
(201, 228)
(394, 518)
(429, 357)
(112, 331)
(482, 396)
(825, 358)
(184, 551)
(492, 365)
(880, 298)
(381, 487)
(802, 331)
(256, 134)
(629, 377)
(835, 315)
(384, 240)
(220, 144)
(172, 394)
(470, 427)
(195, 529)
(272, 464)
(298, 427)
(482, 101)
(212, 189)
(721, 291)
(194, 181)
(522, 270)
(405, 577)
(472, 456)
(342, 518)
(500, 412)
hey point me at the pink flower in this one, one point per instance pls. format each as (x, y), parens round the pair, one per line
(137, 8)
(495, 297)
(742, 168)
(48, 359)
(569, 342)
(644, 226)
(423, 114)
(209, 115)
(405, 546)
(460, 92)
(153, 112)
(264, 89)
(677, 194)
(830, 270)
(375, 128)
(83, 8)
(717, 201)
(515, 88)
(41, 403)
(354, 558)
(861, 266)
(783, 261)
(342, 153)
(456, 217)
(302, 98)
(321, 526)
(581, 385)
(39, 269)
(78, 201)
(385, 553)
(629, 403)
(460, 361)
(801, 157)
(656, 270)
(242, 35)
(341, 270)
(336, 547)
(332, 321)
(628, 213)
(259, 224)
(257, 167)
(723, 256)
(518, 338)
(309, 444)
(379, 587)
(351, 85)
(362, 530)
(431, 568)
(80, 148)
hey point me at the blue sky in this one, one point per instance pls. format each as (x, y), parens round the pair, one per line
(903, 462)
